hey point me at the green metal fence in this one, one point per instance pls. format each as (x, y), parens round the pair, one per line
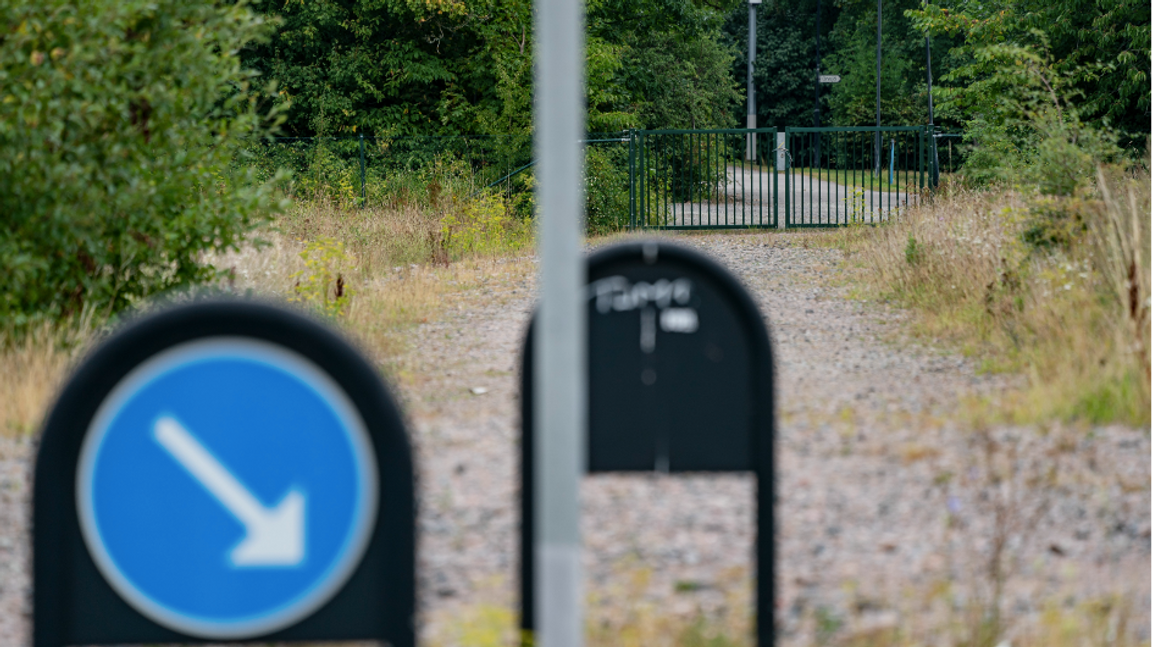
(379, 170)
(839, 176)
(803, 177)
(702, 179)
(375, 170)
(641, 179)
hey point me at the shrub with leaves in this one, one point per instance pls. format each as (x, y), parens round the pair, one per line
(605, 189)
(483, 227)
(321, 284)
(118, 120)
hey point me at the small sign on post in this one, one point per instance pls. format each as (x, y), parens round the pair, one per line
(829, 78)
(680, 379)
(223, 471)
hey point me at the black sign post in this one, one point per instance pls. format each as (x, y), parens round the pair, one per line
(680, 380)
(223, 471)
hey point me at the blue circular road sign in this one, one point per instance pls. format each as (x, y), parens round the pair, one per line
(226, 487)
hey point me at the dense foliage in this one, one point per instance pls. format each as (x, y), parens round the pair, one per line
(903, 73)
(117, 118)
(788, 51)
(443, 67)
(785, 70)
(1099, 52)
(1046, 90)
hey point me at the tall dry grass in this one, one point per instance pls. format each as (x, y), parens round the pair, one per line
(396, 265)
(1055, 289)
(386, 269)
(32, 370)
(1120, 249)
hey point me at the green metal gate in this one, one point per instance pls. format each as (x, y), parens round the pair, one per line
(702, 179)
(752, 178)
(841, 176)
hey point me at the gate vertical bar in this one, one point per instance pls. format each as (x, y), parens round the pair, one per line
(642, 206)
(713, 188)
(875, 173)
(631, 180)
(920, 183)
(708, 203)
(808, 194)
(760, 189)
(820, 189)
(692, 139)
(788, 178)
(724, 178)
(836, 200)
(740, 214)
(680, 150)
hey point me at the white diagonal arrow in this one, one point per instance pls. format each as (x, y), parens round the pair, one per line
(275, 536)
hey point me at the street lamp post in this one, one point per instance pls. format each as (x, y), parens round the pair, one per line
(750, 147)
(879, 22)
(931, 119)
(816, 106)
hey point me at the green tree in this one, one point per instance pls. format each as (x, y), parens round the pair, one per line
(118, 119)
(675, 68)
(1099, 51)
(367, 65)
(785, 71)
(903, 73)
(446, 67)
(1045, 91)
(676, 82)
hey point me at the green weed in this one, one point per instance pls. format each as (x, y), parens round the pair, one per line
(321, 284)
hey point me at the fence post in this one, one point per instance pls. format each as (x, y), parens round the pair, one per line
(642, 183)
(923, 136)
(631, 180)
(363, 191)
(934, 162)
(775, 188)
(783, 222)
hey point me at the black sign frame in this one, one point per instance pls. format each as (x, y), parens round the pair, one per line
(761, 425)
(73, 603)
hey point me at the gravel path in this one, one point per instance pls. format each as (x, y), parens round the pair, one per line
(897, 506)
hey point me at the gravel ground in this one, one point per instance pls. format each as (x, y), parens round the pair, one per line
(896, 504)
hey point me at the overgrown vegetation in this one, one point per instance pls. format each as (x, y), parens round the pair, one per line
(1035, 257)
(1068, 308)
(375, 272)
(445, 67)
(117, 122)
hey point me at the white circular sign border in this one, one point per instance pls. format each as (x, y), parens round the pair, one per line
(314, 377)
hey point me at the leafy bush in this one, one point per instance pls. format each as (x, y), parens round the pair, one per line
(483, 227)
(1072, 317)
(605, 189)
(321, 284)
(119, 119)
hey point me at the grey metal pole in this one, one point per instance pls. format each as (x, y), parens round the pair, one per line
(750, 145)
(931, 117)
(561, 383)
(816, 104)
(879, 22)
